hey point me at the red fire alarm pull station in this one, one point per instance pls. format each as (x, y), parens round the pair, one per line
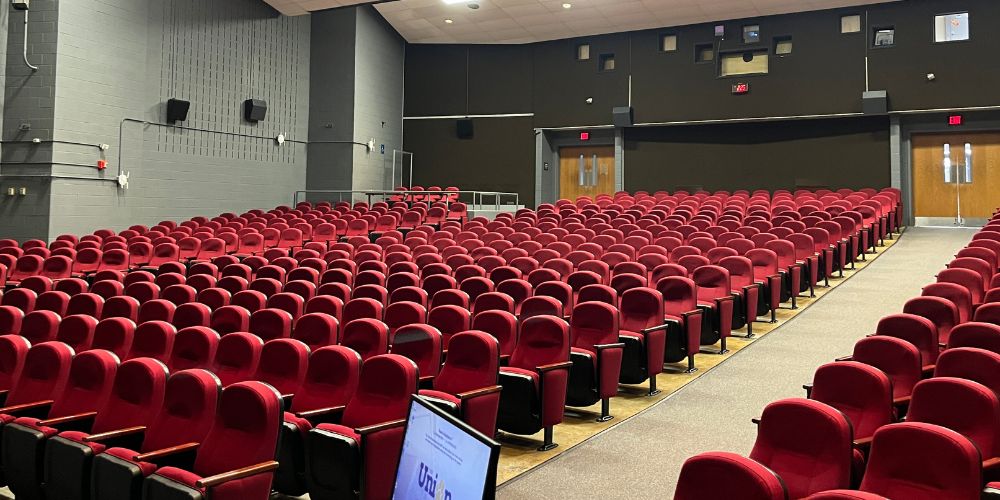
(102, 164)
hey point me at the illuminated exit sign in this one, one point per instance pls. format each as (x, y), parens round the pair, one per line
(741, 88)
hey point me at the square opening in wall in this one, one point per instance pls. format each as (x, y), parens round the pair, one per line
(850, 24)
(751, 34)
(782, 45)
(704, 52)
(583, 52)
(751, 62)
(607, 62)
(951, 27)
(668, 43)
(884, 36)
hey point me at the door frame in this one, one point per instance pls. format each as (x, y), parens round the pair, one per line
(547, 145)
(902, 129)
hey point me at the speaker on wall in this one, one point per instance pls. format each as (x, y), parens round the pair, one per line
(622, 116)
(177, 110)
(254, 110)
(464, 129)
(875, 102)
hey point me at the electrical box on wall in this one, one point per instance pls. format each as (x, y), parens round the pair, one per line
(19, 4)
(875, 102)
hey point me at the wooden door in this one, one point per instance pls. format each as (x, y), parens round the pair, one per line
(586, 171)
(935, 198)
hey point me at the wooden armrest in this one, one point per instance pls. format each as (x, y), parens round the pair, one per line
(380, 427)
(755, 421)
(695, 312)
(25, 406)
(253, 470)
(658, 327)
(153, 455)
(845, 358)
(602, 347)
(114, 434)
(320, 411)
(68, 418)
(942, 345)
(863, 442)
(554, 366)
(478, 392)
(902, 400)
(426, 377)
(807, 387)
(991, 463)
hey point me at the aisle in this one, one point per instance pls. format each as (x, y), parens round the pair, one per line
(640, 458)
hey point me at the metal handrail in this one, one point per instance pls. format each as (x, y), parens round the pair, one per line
(383, 195)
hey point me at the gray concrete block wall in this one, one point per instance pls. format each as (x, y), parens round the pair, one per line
(378, 98)
(331, 107)
(28, 99)
(124, 59)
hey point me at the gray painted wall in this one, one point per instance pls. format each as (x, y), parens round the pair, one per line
(125, 59)
(331, 107)
(28, 99)
(378, 98)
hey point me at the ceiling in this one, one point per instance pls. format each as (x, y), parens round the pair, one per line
(525, 21)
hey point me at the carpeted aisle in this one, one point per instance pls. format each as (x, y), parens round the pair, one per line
(641, 458)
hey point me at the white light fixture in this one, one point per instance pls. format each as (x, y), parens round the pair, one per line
(567, 5)
(448, 21)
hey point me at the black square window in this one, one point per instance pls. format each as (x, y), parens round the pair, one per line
(884, 36)
(607, 62)
(704, 52)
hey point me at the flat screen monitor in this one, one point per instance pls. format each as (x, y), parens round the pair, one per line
(443, 458)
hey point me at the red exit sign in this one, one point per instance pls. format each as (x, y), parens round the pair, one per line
(955, 120)
(741, 88)
(584, 136)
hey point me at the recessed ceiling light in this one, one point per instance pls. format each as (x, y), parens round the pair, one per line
(448, 21)
(453, 2)
(567, 5)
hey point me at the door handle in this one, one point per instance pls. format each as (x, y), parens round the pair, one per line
(947, 164)
(968, 164)
(594, 174)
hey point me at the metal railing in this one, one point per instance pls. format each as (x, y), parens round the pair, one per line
(474, 199)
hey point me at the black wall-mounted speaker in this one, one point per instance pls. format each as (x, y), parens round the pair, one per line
(464, 129)
(254, 110)
(622, 116)
(177, 110)
(875, 102)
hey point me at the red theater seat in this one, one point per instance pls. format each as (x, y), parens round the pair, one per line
(718, 475)
(361, 452)
(244, 437)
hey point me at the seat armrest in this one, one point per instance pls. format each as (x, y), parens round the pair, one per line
(809, 389)
(93, 438)
(602, 347)
(286, 400)
(153, 455)
(253, 470)
(991, 463)
(863, 443)
(26, 406)
(426, 378)
(320, 412)
(52, 422)
(565, 365)
(901, 401)
(695, 312)
(478, 392)
(845, 358)
(364, 431)
(664, 326)
(755, 421)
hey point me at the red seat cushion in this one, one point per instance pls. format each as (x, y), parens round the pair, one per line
(78, 437)
(303, 425)
(181, 476)
(342, 430)
(521, 371)
(129, 456)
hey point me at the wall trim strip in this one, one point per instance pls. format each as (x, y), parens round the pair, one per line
(461, 117)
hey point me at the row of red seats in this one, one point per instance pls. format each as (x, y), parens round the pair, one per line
(431, 194)
(937, 365)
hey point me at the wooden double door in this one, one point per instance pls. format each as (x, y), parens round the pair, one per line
(586, 171)
(962, 190)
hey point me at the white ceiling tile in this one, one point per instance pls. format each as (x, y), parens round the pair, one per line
(526, 21)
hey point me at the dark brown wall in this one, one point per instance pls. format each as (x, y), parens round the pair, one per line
(846, 152)
(968, 73)
(501, 157)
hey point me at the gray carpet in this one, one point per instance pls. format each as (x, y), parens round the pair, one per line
(642, 457)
